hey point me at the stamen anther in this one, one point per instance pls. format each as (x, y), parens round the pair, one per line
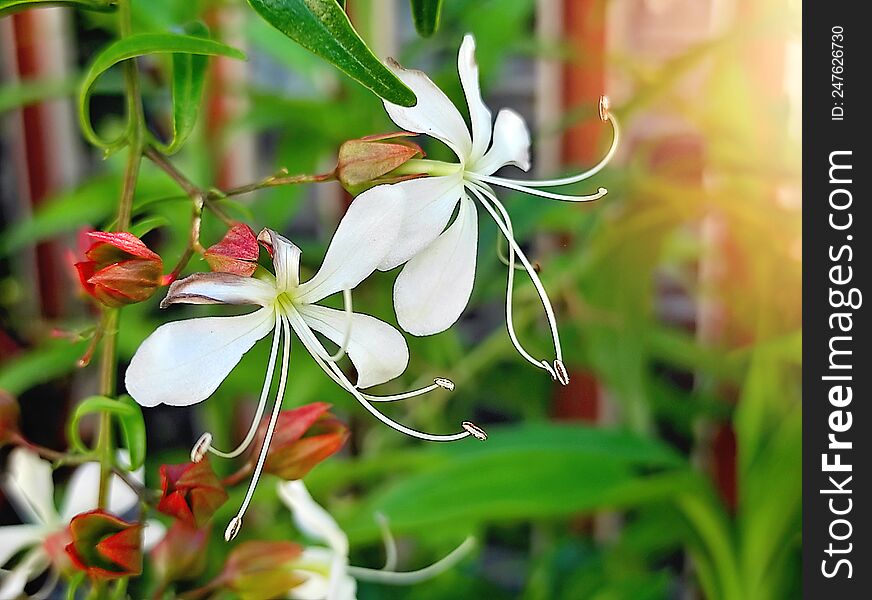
(562, 374)
(474, 430)
(547, 366)
(604, 105)
(198, 452)
(444, 383)
(233, 528)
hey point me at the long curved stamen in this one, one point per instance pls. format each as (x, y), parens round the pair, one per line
(410, 577)
(346, 295)
(389, 542)
(204, 444)
(504, 222)
(605, 115)
(535, 192)
(236, 522)
(315, 349)
(438, 383)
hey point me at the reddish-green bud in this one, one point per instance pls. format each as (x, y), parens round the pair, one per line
(236, 253)
(10, 414)
(120, 269)
(303, 437)
(191, 492)
(260, 570)
(368, 161)
(181, 554)
(104, 546)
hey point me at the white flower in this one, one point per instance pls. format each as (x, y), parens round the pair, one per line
(434, 286)
(325, 569)
(29, 487)
(184, 362)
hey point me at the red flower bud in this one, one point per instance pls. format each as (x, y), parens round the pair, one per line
(303, 438)
(10, 413)
(236, 253)
(120, 269)
(181, 554)
(104, 546)
(368, 161)
(191, 492)
(260, 570)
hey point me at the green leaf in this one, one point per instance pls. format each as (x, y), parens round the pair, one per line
(143, 226)
(322, 27)
(189, 77)
(30, 92)
(539, 471)
(129, 416)
(140, 45)
(8, 7)
(40, 365)
(426, 15)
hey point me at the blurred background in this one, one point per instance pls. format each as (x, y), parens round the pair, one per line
(668, 468)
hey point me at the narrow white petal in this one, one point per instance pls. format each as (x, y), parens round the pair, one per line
(511, 144)
(286, 259)
(311, 518)
(14, 538)
(427, 206)
(434, 287)
(378, 351)
(28, 484)
(312, 565)
(27, 569)
(434, 114)
(363, 238)
(182, 363)
(479, 113)
(219, 288)
(82, 491)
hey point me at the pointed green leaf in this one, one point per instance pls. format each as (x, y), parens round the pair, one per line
(426, 15)
(140, 45)
(8, 7)
(189, 77)
(322, 27)
(129, 416)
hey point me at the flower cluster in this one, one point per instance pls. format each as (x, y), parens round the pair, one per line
(403, 218)
(411, 213)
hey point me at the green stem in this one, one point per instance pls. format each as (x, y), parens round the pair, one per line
(108, 366)
(109, 359)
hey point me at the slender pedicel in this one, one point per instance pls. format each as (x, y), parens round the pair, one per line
(236, 522)
(485, 197)
(204, 444)
(410, 577)
(316, 349)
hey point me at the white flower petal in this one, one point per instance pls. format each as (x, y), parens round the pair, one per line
(378, 351)
(28, 484)
(511, 144)
(434, 114)
(82, 491)
(363, 237)
(478, 111)
(14, 538)
(219, 288)
(153, 532)
(182, 363)
(428, 203)
(311, 518)
(434, 287)
(28, 568)
(286, 259)
(342, 585)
